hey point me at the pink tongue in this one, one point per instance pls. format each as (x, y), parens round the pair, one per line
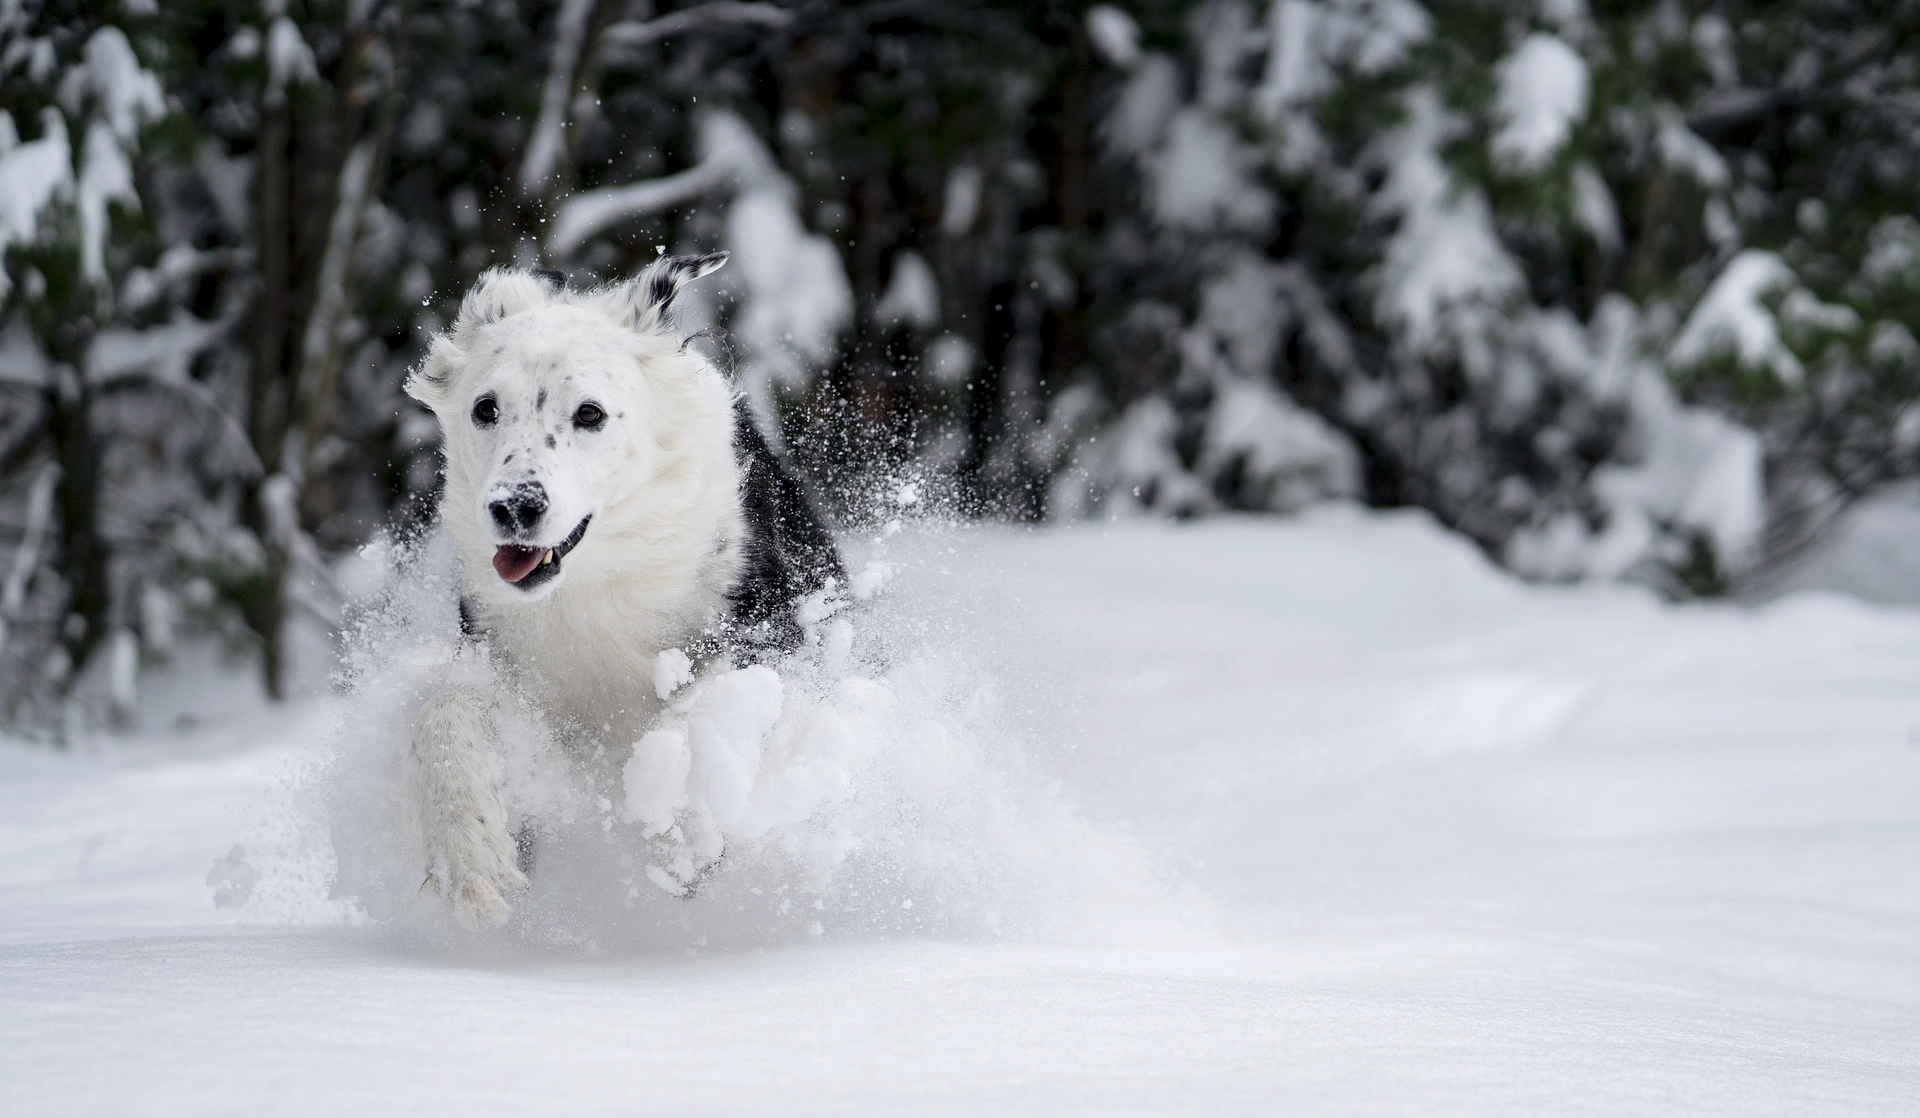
(514, 563)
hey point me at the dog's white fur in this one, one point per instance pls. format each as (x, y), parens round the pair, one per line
(661, 482)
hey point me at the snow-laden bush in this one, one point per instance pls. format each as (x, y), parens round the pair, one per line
(1532, 268)
(115, 453)
(1621, 291)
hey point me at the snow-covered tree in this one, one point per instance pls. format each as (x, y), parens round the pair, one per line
(1570, 279)
(112, 451)
(1615, 290)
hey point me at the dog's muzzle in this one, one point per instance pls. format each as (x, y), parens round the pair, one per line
(529, 567)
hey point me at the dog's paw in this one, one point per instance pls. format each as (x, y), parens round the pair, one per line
(474, 869)
(476, 903)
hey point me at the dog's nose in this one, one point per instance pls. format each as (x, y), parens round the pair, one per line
(517, 508)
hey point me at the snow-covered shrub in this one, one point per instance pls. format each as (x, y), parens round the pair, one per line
(1534, 275)
(1613, 290)
(111, 448)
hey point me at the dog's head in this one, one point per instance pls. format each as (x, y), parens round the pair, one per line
(557, 408)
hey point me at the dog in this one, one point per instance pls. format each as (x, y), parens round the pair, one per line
(608, 498)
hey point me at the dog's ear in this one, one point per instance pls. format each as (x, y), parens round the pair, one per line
(646, 303)
(432, 381)
(501, 292)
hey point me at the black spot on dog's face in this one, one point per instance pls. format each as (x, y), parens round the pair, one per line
(549, 442)
(540, 401)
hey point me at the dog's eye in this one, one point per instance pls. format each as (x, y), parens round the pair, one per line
(589, 416)
(486, 411)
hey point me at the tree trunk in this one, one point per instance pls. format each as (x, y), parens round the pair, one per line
(83, 554)
(263, 601)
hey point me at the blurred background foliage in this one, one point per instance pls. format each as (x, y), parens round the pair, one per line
(1615, 290)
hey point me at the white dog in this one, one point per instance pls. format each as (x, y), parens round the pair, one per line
(607, 498)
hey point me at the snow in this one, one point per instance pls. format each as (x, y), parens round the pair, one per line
(1731, 316)
(1685, 469)
(26, 555)
(1203, 177)
(1136, 458)
(797, 298)
(1294, 70)
(544, 143)
(1138, 120)
(165, 353)
(23, 364)
(949, 360)
(1683, 149)
(625, 35)
(1445, 254)
(960, 203)
(1308, 37)
(107, 177)
(32, 175)
(1115, 35)
(1420, 839)
(1594, 209)
(126, 94)
(912, 295)
(589, 212)
(1869, 553)
(1893, 250)
(1802, 308)
(332, 302)
(290, 60)
(1542, 95)
(1288, 453)
(1699, 470)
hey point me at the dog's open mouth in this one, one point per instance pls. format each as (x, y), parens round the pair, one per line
(528, 567)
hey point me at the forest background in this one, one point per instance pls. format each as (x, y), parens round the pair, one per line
(1614, 290)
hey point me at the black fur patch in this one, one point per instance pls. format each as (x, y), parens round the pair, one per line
(470, 620)
(663, 287)
(788, 553)
(667, 275)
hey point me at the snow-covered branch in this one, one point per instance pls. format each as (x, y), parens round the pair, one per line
(163, 356)
(545, 146)
(589, 212)
(13, 593)
(722, 13)
(330, 300)
(32, 175)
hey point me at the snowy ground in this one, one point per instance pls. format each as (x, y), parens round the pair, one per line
(1428, 842)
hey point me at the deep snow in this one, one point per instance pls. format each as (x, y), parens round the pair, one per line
(1421, 840)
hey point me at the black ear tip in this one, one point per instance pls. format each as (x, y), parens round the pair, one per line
(697, 266)
(552, 277)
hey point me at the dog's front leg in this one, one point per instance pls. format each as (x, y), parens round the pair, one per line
(470, 854)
